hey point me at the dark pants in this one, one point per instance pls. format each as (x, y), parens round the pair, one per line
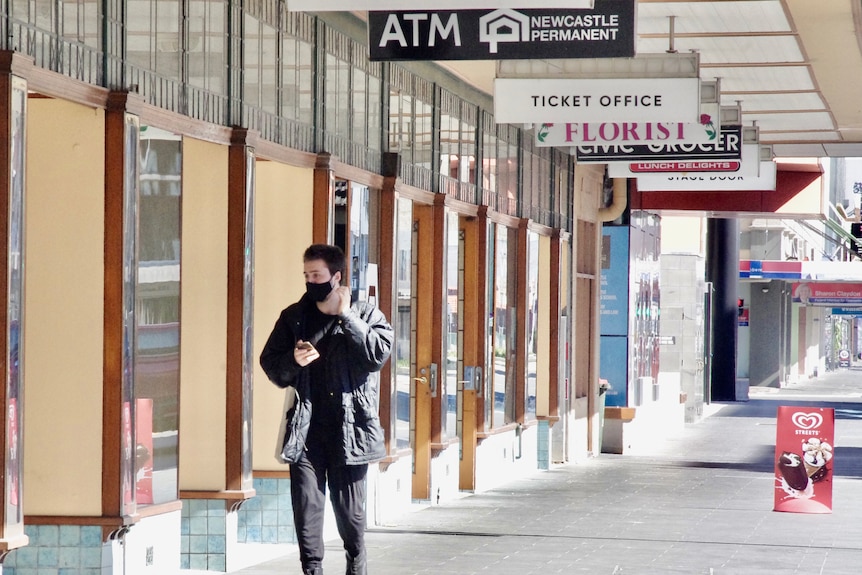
(308, 478)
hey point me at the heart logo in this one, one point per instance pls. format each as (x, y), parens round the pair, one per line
(807, 420)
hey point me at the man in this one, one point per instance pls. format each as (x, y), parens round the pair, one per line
(330, 351)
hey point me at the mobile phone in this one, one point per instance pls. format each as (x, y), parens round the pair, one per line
(304, 345)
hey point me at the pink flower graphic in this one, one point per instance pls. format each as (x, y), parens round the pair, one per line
(706, 122)
(543, 132)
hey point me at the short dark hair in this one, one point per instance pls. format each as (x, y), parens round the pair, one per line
(331, 255)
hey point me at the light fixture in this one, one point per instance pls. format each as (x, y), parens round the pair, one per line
(765, 289)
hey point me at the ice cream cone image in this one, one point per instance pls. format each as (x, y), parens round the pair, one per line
(813, 470)
(816, 454)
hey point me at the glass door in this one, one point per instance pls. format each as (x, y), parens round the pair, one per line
(403, 322)
(453, 365)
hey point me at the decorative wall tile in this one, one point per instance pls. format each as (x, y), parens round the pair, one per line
(268, 517)
(57, 550)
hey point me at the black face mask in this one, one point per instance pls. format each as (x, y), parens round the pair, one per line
(318, 292)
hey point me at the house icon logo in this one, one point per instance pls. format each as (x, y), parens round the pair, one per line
(503, 25)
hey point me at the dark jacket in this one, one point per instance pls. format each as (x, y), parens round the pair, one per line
(358, 344)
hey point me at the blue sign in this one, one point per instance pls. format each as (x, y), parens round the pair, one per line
(615, 281)
(756, 269)
(613, 366)
(847, 311)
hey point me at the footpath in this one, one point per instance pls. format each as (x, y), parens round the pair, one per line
(700, 503)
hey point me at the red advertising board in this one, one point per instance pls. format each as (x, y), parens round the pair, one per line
(803, 459)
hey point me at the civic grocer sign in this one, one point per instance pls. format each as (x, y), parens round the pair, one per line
(728, 146)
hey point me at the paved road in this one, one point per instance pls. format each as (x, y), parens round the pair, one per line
(701, 503)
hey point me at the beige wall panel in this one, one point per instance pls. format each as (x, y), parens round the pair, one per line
(683, 235)
(204, 316)
(808, 201)
(283, 215)
(63, 309)
(543, 367)
(588, 190)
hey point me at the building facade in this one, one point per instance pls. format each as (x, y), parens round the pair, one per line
(165, 166)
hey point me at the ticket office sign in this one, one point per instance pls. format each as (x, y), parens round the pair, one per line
(804, 450)
(535, 100)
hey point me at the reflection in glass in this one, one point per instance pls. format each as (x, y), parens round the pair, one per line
(14, 511)
(131, 171)
(510, 304)
(532, 321)
(157, 305)
(207, 50)
(403, 319)
(503, 305)
(359, 242)
(490, 358)
(501, 326)
(451, 344)
(153, 30)
(297, 89)
(248, 321)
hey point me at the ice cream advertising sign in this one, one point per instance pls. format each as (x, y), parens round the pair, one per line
(803, 459)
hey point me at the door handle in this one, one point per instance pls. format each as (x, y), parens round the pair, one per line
(421, 379)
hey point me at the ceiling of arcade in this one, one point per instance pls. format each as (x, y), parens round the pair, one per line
(795, 66)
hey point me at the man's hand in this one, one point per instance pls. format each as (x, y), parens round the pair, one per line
(337, 302)
(304, 353)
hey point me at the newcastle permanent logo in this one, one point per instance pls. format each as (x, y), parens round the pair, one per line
(606, 31)
(505, 25)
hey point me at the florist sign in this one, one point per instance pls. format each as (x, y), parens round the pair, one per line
(612, 133)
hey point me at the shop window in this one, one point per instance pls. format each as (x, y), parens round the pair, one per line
(402, 324)
(260, 65)
(13, 514)
(208, 45)
(532, 321)
(153, 37)
(453, 312)
(502, 298)
(157, 330)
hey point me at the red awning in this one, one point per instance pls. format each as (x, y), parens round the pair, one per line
(790, 180)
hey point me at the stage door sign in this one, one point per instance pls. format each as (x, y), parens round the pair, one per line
(803, 459)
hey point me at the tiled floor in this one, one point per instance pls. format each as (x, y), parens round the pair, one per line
(701, 503)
